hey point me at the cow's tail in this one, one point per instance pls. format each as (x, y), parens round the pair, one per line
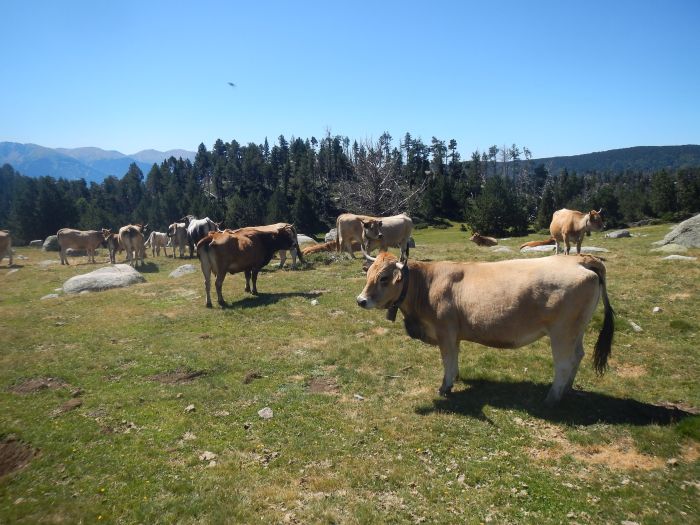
(337, 234)
(603, 345)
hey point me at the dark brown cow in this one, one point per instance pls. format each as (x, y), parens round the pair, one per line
(245, 250)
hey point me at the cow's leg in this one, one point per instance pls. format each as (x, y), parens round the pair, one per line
(165, 250)
(567, 353)
(283, 258)
(567, 243)
(219, 283)
(206, 271)
(64, 259)
(293, 253)
(449, 351)
(255, 281)
(247, 281)
(579, 240)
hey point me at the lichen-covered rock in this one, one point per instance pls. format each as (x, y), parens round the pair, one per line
(116, 276)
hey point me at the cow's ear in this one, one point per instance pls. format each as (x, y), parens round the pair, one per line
(397, 276)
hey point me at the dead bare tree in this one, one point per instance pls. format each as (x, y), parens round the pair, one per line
(377, 186)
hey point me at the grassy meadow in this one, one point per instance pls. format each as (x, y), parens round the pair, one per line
(151, 412)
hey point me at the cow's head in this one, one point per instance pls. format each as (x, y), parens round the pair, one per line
(290, 234)
(172, 229)
(372, 228)
(384, 282)
(106, 232)
(475, 237)
(595, 221)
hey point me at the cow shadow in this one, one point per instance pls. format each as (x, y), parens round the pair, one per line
(148, 267)
(263, 299)
(577, 408)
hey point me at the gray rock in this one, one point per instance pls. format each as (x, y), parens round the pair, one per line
(305, 239)
(51, 244)
(50, 296)
(36, 243)
(670, 248)
(635, 327)
(678, 258)
(591, 249)
(618, 234)
(116, 276)
(686, 233)
(545, 248)
(501, 249)
(265, 413)
(331, 235)
(182, 270)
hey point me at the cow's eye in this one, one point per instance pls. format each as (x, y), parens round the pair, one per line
(384, 280)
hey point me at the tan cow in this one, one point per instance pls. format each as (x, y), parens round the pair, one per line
(572, 225)
(505, 304)
(6, 246)
(131, 237)
(87, 240)
(482, 240)
(156, 241)
(245, 250)
(383, 232)
(348, 227)
(177, 232)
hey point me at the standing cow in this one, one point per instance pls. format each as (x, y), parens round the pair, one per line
(572, 225)
(245, 250)
(197, 229)
(6, 246)
(373, 232)
(505, 304)
(87, 240)
(156, 241)
(113, 244)
(177, 232)
(131, 237)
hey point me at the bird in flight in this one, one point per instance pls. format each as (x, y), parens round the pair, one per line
(232, 84)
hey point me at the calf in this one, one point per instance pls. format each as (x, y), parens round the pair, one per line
(245, 250)
(6, 246)
(505, 304)
(572, 225)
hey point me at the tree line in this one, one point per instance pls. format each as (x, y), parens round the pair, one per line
(308, 182)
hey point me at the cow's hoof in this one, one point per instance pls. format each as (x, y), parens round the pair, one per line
(254, 292)
(209, 305)
(444, 392)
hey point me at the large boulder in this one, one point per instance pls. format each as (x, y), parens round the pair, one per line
(182, 270)
(686, 233)
(331, 235)
(115, 276)
(51, 244)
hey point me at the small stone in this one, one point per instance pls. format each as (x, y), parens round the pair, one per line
(358, 397)
(627, 522)
(314, 302)
(656, 310)
(207, 456)
(189, 408)
(211, 464)
(265, 413)
(49, 296)
(635, 327)
(179, 395)
(673, 462)
(222, 413)
(189, 436)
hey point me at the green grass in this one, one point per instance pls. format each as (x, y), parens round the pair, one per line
(490, 453)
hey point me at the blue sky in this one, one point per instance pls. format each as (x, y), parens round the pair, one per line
(559, 77)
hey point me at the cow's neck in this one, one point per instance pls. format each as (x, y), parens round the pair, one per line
(405, 279)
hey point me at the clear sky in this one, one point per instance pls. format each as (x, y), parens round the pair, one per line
(559, 77)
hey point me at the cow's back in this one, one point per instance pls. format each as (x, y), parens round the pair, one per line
(563, 222)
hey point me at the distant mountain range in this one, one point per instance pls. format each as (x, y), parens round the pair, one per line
(95, 164)
(91, 164)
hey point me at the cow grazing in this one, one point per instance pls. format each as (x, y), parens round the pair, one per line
(177, 232)
(505, 304)
(131, 237)
(538, 243)
(157, 240)
(245, 250)
(482, 240)
(197, 229)
(87, 240)
(572, 225)
(6, 246)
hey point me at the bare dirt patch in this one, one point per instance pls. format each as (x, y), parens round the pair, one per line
(631, 371)
(14, 455)
(251, 376)
(177, 377)
(323, 385)
(36, 384)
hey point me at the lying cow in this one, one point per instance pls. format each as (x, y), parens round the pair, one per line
(385, 232)
(131, 237)
(197, 229)
(532, 244)
(87, 240)
(572, 225)
(505, 304)
(244, 250)
(177, 232)
(157, 240)
(6, 246)
(482, 240)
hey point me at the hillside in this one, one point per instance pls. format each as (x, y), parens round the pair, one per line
(91, 164)
(641, 158)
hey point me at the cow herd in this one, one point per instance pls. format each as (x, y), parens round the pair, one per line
(504, 304)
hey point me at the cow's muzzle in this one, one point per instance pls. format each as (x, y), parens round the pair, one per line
(361, 301)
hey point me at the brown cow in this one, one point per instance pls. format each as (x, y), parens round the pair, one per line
(131, 237)
(113, 244)
(245, 250)
(505, 304)
(6, 246)
(482, 240)
(87, 240)
(572, 225)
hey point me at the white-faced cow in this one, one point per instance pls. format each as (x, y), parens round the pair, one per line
(157, 240)
(177, 232)
(87, 240)
(572, 225)
(131, 237)
(505, 304)
(197, 229)
(245, 250)
(6, 246)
